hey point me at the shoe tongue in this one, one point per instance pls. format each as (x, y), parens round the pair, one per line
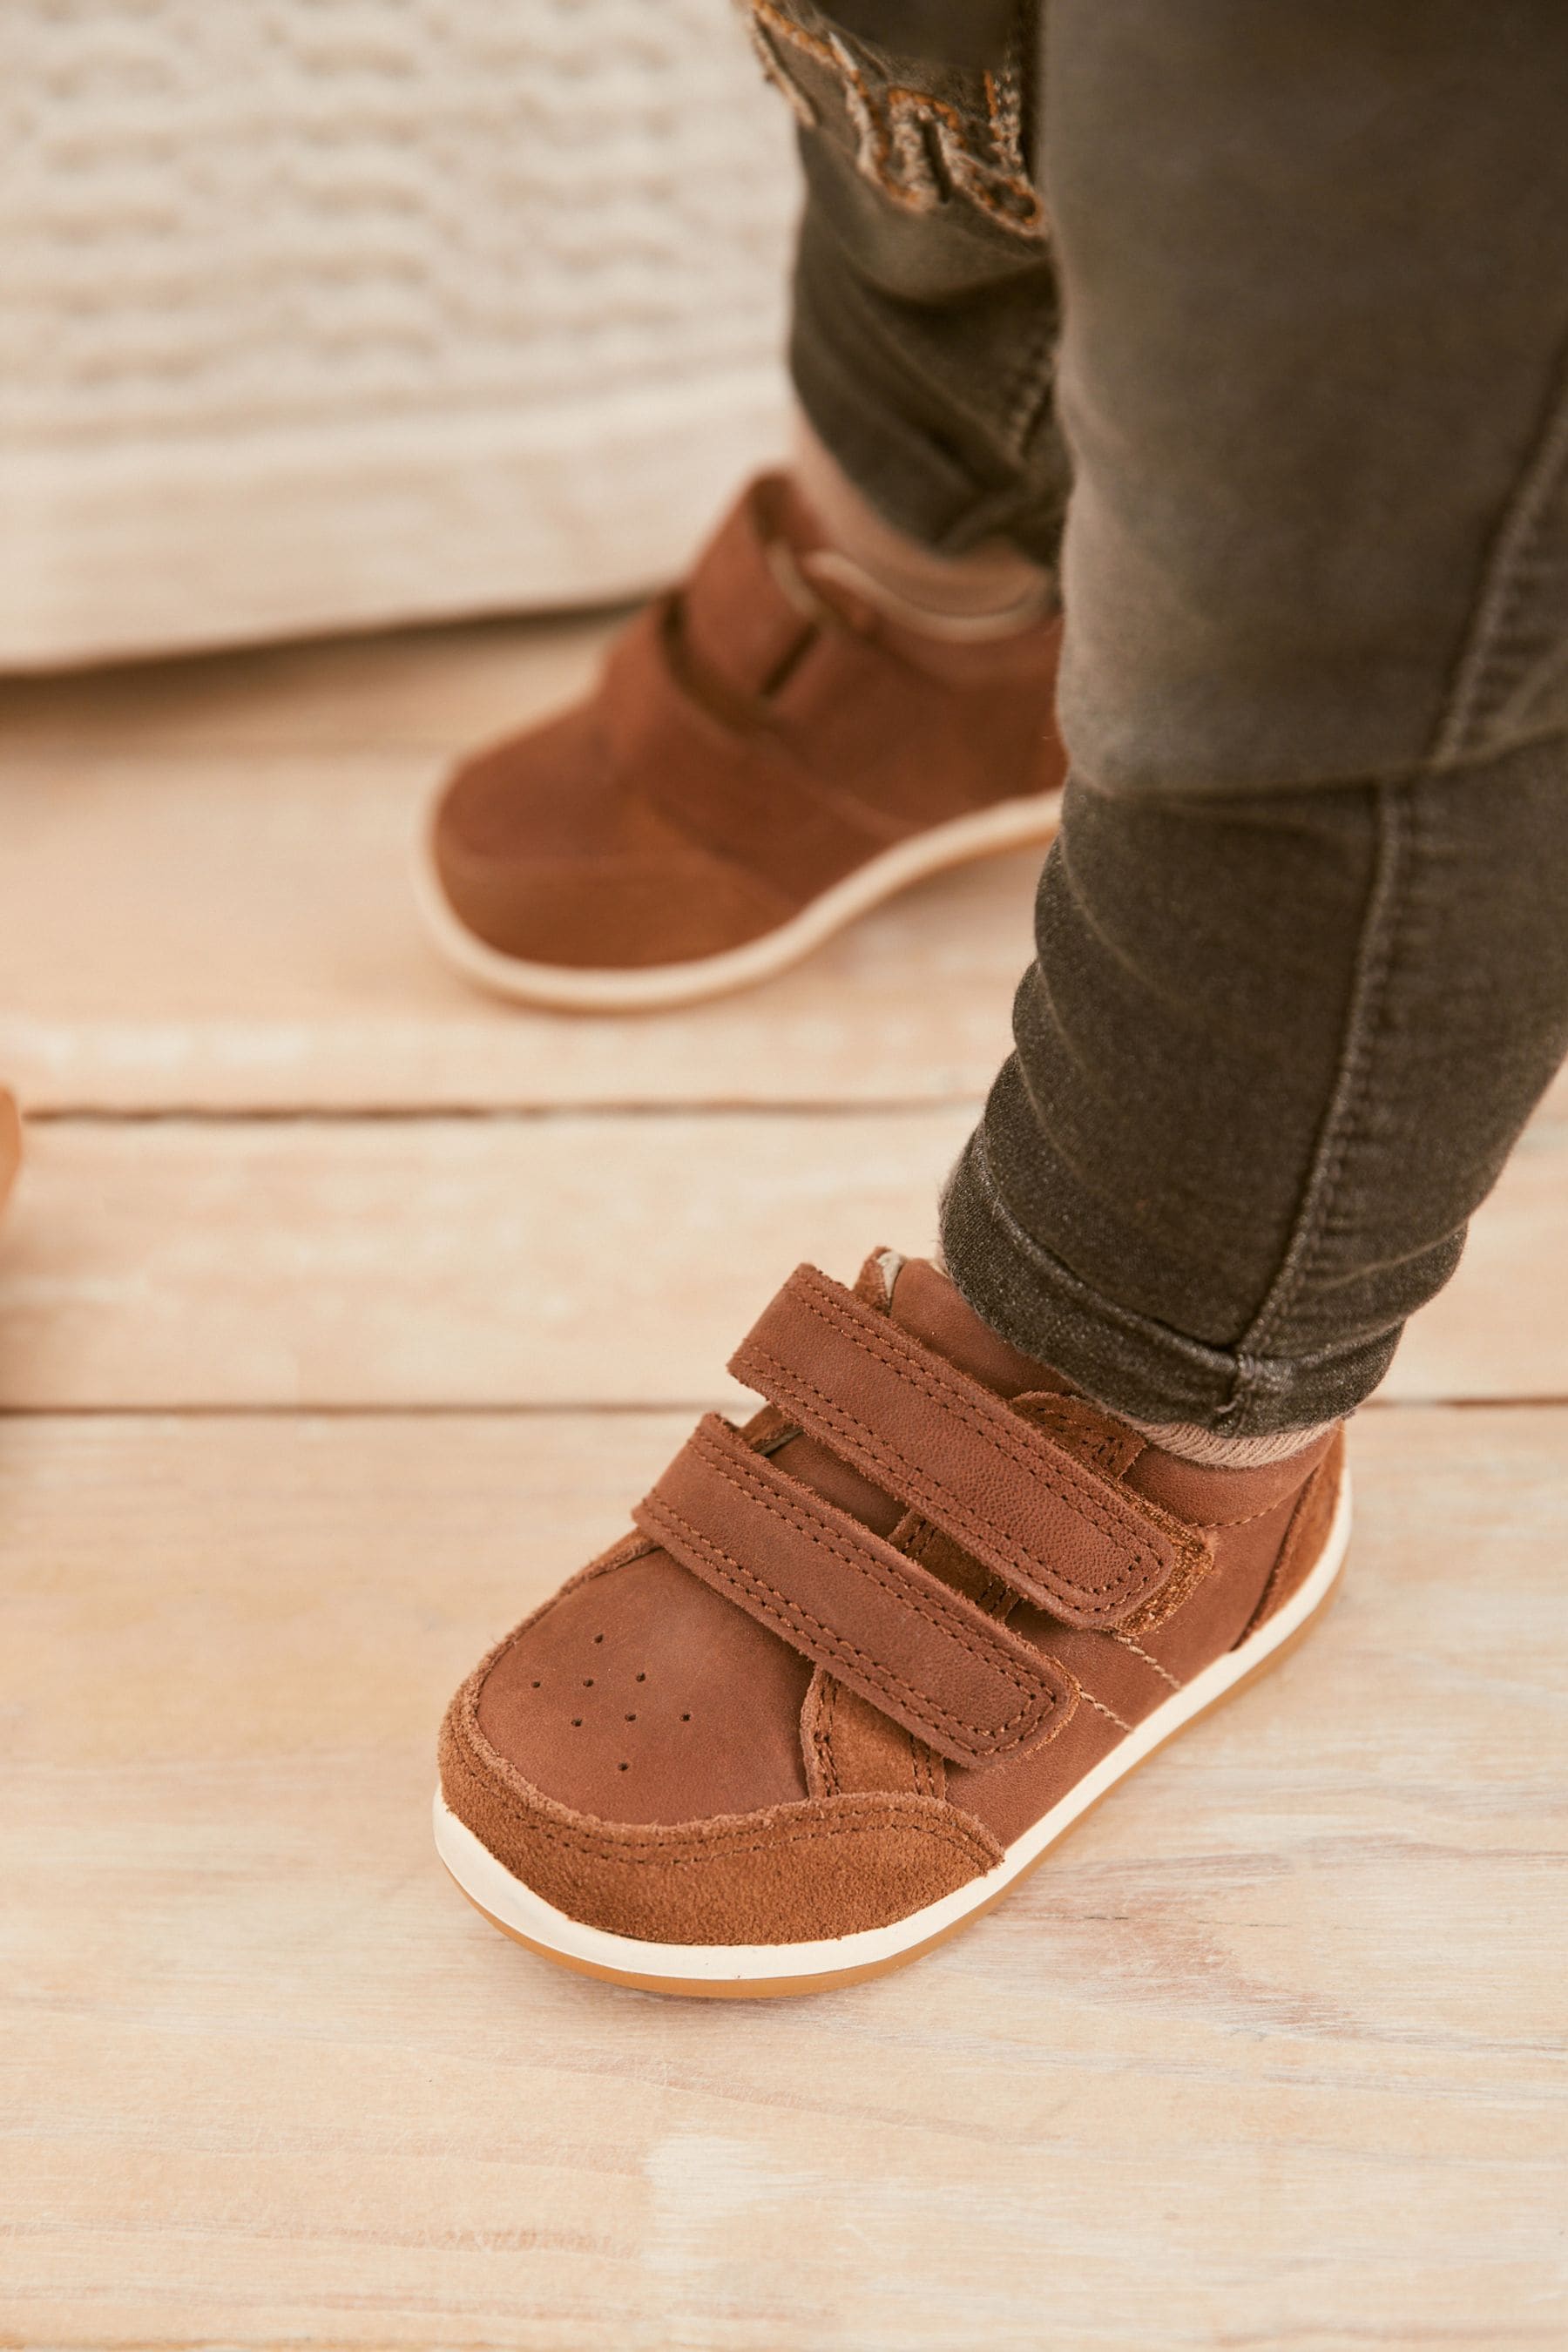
(929, 1305)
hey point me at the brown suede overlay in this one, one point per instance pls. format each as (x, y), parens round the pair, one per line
(943, 1558)
(851, 1747)
(791, 1873)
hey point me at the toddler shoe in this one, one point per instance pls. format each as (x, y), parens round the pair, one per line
(766, 757)
(863, 1658)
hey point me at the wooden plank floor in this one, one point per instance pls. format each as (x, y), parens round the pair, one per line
(301, 1346)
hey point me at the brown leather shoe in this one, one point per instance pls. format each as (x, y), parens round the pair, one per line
(764, 758)
(864, 1659)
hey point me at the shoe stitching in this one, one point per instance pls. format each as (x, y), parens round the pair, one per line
(707, 1846)
(1109, 1713)
(1138, 1651)
(1213, 1527)
(1081, 1499)
(822, 1734)
(983, 1738)
(943, 1388)
(941, 1609)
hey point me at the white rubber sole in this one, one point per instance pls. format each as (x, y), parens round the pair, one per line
(564, 987)
(758, 1969)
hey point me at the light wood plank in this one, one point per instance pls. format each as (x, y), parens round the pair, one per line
(1500, 1329)
(565, 1260)
(1270, 2051)
(238, 934)
(607, 1260)
(10, 1143)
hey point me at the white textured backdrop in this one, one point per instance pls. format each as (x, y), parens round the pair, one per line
(318, 313)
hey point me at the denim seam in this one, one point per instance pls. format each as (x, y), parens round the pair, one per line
(882, 348)
(1374, 962)
(955, 511)
(1495, 637)
(1031, 397)
(969, 513)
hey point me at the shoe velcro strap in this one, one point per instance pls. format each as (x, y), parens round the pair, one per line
(836, 1592)
(735, 786)
(1055, 1531)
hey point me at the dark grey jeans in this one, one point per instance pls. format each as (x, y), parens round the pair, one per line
(1291, 316)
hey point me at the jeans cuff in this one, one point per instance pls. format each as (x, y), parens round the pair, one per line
(1123, 1360)
(919, 475)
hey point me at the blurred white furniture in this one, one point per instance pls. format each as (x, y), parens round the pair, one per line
(325, 313)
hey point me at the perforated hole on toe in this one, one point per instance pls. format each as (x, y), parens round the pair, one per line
(658, 1703)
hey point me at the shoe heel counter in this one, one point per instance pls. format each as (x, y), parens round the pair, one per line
(1305, 1537)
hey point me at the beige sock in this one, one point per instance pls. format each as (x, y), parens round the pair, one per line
(1211, 1451)
(988, 592)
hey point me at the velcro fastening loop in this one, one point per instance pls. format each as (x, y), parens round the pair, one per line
(1071, 1541)
(836, 1593)
(734, 785)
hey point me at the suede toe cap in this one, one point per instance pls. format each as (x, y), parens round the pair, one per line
(543, 854)
(792, 1872)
